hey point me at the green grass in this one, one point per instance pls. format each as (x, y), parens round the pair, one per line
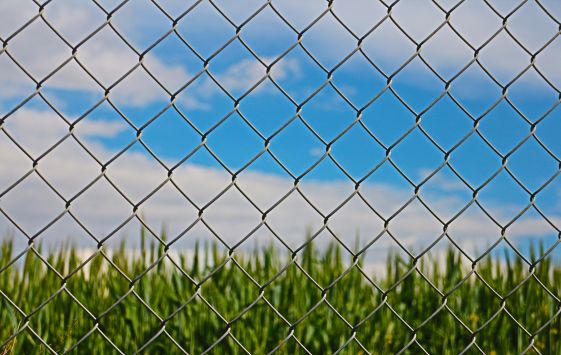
(129, 324)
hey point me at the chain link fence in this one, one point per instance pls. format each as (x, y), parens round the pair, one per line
(70, 49)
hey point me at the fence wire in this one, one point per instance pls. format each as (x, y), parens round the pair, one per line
(206, 62)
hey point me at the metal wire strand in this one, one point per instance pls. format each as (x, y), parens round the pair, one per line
(207, 70)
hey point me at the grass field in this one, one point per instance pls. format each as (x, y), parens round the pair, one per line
(195, 326)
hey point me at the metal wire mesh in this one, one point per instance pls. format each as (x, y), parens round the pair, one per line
(330, 73)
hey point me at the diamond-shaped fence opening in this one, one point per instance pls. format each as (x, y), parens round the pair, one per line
(280, 176)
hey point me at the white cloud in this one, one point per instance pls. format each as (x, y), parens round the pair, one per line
(239, 78)
(102, 129)
(39, 130)
(101, 209)
(243, 75)
(108, 57)
(389, 48)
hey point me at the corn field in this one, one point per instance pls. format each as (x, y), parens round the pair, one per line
(371, 305)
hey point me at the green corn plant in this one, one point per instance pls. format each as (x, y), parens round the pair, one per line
(197, 314)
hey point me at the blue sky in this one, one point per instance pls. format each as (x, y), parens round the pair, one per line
(267, 109)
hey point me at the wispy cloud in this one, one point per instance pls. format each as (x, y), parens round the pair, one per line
(38, 49)
(32, 205)
(107, 57)
(239, 79)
